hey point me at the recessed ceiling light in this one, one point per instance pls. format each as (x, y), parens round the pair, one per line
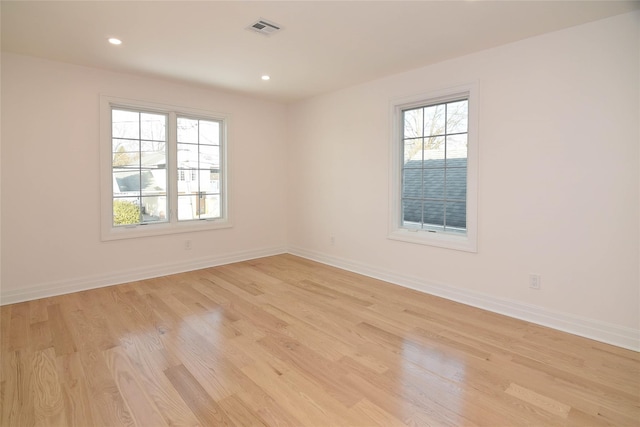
(115, 41)
(265, 77)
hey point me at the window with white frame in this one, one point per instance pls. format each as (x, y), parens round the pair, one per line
(434, 191)
(198, 152)
(139, 166)
(157, 169)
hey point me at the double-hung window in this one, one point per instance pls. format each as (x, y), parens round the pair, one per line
(164, 169)
(434, 155)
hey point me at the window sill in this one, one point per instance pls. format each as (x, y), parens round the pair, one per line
(150, 230)
(442, 240)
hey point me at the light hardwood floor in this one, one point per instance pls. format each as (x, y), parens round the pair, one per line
(283, 341)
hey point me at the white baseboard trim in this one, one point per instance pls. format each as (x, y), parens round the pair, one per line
(600, 331)
(77, 284)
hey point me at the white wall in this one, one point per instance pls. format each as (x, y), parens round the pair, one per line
(50, 180)
(558, 180)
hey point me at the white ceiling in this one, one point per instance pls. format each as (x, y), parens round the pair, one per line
(324, 45)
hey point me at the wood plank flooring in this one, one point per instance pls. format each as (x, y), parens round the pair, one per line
(283, 341)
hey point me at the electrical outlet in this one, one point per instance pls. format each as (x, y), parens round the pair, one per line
(187, 245)
(333, 240)
(534, 281)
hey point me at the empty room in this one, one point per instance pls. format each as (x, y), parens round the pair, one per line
(320, 213)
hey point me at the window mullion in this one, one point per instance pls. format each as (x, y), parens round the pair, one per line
(141, 217)
(222, 165)
(423, 192)
(444, 194)
(199, 194)
(172, 167)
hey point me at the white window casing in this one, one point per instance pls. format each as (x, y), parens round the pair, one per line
(425, 234)
(170, 224)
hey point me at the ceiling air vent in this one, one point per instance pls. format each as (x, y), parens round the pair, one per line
(264, 27)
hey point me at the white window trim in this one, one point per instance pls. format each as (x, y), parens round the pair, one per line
(108, 231)
(468, 242)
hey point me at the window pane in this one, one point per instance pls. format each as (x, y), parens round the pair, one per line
(187, 130)
(209, 132)
(187, 156)
(434, 120)
(208, 183)
(434, 148)
(154, 208)
(209, 156)
(457, 113)
(456, 183)
(125, 145)
(187, 207)
(126, 153)
(413, 123)
(154, 181)
(154, 155)
(126, 212)
(411, 213)
(209, 206)
(412, 183)
(194, 183)
(433, 182)
(153, 126)
(185, 183)
(457, 214)
(199, 206)
(433, 213)
(456, 147)
(126, 181)
(413, 153)
(125, 124)
(146, 145)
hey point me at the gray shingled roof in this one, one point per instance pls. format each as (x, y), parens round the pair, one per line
(131, 181)
(433, 175)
